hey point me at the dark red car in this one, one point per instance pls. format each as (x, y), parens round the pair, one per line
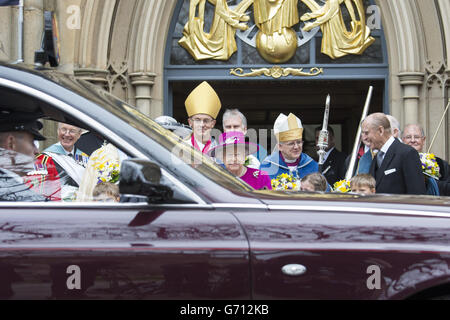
(196, 232)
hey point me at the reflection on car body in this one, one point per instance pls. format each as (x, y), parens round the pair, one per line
(200, 233)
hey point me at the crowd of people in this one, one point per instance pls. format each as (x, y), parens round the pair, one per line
(388, 162)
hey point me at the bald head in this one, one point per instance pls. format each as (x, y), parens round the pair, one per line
(376, 130)
(414, 135)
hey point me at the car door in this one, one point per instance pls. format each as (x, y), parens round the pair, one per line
(344, 250)
(121, 251)
(185, 249)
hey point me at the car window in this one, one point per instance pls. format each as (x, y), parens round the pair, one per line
(73, 166)
(91, 105)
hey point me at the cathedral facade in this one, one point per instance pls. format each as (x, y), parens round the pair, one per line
(150, 52)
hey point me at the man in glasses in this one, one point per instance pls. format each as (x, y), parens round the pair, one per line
(289, 158)
(202, 106)
(70, 161)
(414, 135)
(67, 136)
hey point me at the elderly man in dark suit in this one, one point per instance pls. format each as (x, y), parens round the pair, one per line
(397, 167)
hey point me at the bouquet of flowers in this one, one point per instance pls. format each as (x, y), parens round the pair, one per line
(286, 182)
(430, 167)
(342, 186)
(108, 171)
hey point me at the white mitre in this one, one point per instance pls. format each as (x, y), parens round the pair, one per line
(288, 128)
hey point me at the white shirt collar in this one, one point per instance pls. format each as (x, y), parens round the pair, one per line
(67, 153)
(387, 145)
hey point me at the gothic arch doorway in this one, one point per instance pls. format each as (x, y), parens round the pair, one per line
(264, 96)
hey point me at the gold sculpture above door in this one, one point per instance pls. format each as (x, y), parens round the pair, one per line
(275, 40)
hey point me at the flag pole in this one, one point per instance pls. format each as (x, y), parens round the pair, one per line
(20, 33)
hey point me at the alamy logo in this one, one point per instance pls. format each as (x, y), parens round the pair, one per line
(74, 280)
(73, 22)
(374, 280)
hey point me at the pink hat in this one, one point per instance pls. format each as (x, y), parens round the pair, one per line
(233, 138)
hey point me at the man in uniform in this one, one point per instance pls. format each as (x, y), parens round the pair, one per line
(17, 165)
(289, 157)
(202, 106)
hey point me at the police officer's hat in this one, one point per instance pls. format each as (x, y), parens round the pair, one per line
(11, 122)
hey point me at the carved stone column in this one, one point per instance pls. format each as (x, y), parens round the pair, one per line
(143, 83)
(411, 83)
(95, 76)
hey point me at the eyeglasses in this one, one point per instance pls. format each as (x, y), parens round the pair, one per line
(200, 121)
(411, 137)
(71, 131)
(293, 144)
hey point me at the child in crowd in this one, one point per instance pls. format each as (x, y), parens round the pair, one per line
(314, 182)
(106, 192)
(363, 184)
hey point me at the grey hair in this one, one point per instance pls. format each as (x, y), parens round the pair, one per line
(235, 113)
(422, 131)
(395, 124)
(60, 124)
(380, 120)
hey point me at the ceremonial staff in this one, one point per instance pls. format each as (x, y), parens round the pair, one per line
(351, 167)
(439, 127)
(323, 137)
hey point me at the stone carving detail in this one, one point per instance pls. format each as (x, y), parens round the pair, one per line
(437, 73)
(277, 72)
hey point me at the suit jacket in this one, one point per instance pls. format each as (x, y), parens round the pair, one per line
(444, 181)
(334, 167)
(400, 172)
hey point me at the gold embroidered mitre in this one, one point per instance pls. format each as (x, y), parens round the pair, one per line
(288, 128)
(203, 100)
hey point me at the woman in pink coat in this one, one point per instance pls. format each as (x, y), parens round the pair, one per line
(232, 151)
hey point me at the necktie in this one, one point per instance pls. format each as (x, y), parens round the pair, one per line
(70, 155)
(380, 156)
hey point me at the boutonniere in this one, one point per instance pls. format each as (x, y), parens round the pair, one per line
(256, 174)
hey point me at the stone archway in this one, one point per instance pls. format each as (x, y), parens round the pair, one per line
(121, 48)
(418, 39)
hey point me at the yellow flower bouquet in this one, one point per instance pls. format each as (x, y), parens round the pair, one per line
(342, 186)
(430, 167)
(108, 171)
(286, 182)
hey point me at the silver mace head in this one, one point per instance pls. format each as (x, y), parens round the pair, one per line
(324, 135)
